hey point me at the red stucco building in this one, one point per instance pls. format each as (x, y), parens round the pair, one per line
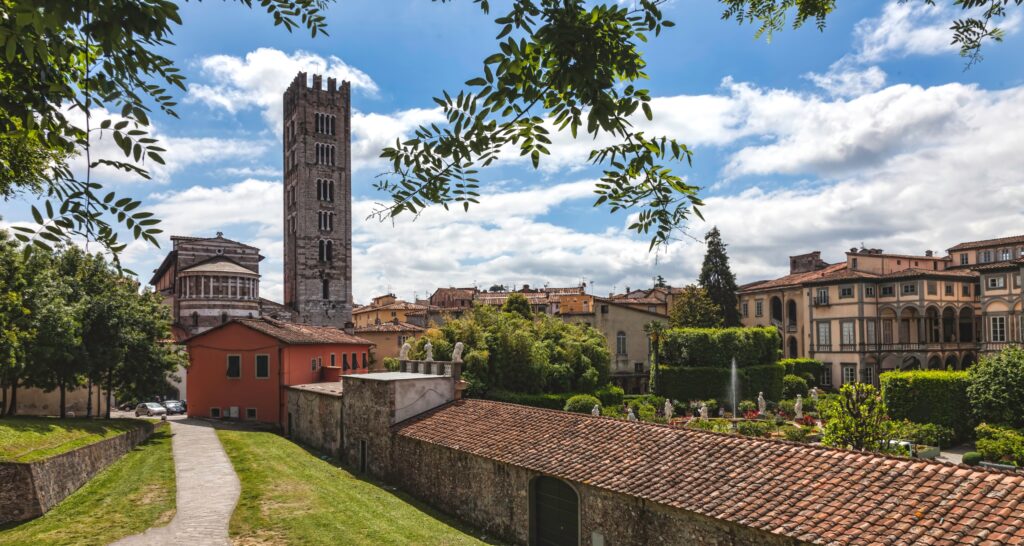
(240, 369)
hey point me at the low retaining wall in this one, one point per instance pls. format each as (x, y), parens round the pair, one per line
(31, 489)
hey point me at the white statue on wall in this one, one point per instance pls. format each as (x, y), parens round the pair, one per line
(596, 412)
(761, 404)
(814, 394)
(630, 416)
(428, 349)
(404, 354)
(703, 410)
(457, 352)
(798, 408)
(668, 409)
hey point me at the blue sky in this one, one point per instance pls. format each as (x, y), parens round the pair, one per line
(871, 131)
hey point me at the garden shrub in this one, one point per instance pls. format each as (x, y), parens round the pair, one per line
(549, 401)
(581, 403)
(804, 366)
(929, 396)
(793, 385)
(1000, 444)
(610, 395)
(996, 388)
(693, 383)
(713, 425)
(747, 405)
(645, 412)
(796, 434)
(928, 434)
(716, 347)
(760, 429)
(972, 458)
(391, 363)
(766, 379)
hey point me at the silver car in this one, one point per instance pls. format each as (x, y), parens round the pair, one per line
(152, 409)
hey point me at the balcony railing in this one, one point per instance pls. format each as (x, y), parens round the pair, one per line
(848, 347)
(791, 327)
(822, 348)
(821, 301)
(996, 346)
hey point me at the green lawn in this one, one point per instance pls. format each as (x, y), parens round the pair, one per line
(289, 496)
(131, 495)
(27, 439)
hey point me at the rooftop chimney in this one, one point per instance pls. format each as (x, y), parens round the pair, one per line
(929, 253)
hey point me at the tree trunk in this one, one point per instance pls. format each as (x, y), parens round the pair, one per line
(110, 382)
(63, 414)
(13, 409)
(3, 398)
(88, 403)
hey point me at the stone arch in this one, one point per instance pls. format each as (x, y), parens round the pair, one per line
(791, 311)
(776, 308)
(554, 512)
(935, 363)
(791, 347)
(951, 362)
(965, 329)
(949, 321)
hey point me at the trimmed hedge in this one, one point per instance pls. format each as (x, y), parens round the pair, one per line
(549, 401)
(929, 396)
(610, 395)
(802, 366)
(716, 347)
(581, 403)
(703, 383)
(793, 385)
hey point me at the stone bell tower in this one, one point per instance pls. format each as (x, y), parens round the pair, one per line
(318, 201)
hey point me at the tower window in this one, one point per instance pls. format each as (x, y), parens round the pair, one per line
(195, 319)
(325, 220)
(325, 154)
(326, 288)
(326, 250)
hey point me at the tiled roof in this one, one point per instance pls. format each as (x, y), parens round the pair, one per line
(293, 334)
(809, 493)
(994, 266)
(220, 265)
(796, 279)
(916, 272)
(989, 242)
(393, 306)
(390, 327)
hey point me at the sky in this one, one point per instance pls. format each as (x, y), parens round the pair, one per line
(871, 132)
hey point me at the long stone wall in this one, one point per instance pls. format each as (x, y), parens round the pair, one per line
(315, 419)
(31, 489)
(495, 498)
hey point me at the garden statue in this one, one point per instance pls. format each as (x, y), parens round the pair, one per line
(668, 409)
(798, 408)
(703, 410)
(596, 412)
(428, 349)
(814, 394)
(457, 352)
(761, 404)
(404, 353)
(630, 416)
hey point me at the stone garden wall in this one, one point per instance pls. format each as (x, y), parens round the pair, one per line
(30, 489)
(494, 497)
(315, 419)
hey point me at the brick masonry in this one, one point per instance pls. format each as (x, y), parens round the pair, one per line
(31, 489)
(494, 497)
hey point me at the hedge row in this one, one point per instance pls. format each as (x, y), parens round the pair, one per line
(716, 347)
(608, 396)
(684, 384)
(807, 368)
(929, 396)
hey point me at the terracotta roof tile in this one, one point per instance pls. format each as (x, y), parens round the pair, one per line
(809, 493)
(796, 279)
(988, 242)
(390, 327)
(293, 334)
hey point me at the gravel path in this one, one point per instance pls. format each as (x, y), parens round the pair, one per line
(208, 490)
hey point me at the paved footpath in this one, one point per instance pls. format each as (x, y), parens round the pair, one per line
(208, 490)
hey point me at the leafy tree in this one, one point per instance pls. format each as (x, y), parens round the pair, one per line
(856, 419)
(68, 59)
(694, 308)
(655, 330)
(15, 326)
(717, 278)
(518, 304)
(969, 32)
(659, 282)
(496, 288)
(996, 388)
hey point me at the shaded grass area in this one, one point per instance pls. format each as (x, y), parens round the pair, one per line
(28, 439)
(289, 496)
(131, 495)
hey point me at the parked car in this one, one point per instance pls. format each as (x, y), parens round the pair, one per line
(174, 407)
(151, 409)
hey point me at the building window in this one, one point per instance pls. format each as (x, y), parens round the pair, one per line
(758, 308)
(845, 291)
(250, 413)
(620, 343)
(215, 413)
(824, 335)
(745, 308)
(933, 288)
(846, 331)
(996, 282)
(223, 318)
(364, 361)
(312, 364)
(355, 361)
(344, 361)
(965, 289)
(262, 366)
(195, 319)
(1006, 254)
(888, 291)
(869, 374)
(963, 259)
(326, 250)
(949, 289)
(909, 288)
(887, 331)
(985, 256)
(869, 332)
(234, 366)
(325, 220)
(854, 266)
(869, 291)
(998, 329)
(849, 373)
(332, 360)
(826, 375)
(325, 288)
(652, 309)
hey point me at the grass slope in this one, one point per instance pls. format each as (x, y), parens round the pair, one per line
(28, 439)
(131, 495)
(289, 496)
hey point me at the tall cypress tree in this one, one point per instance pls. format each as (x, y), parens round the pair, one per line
(718, 279)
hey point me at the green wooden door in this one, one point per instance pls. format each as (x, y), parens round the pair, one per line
(554, 511)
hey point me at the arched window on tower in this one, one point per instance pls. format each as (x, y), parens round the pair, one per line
(326, 288)
(322, 255)
(330, 251)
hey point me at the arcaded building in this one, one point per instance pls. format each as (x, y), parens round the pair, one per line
(878, 311)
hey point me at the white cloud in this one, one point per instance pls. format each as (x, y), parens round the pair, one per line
(842, 80)
(372, 132)
(260, 79)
